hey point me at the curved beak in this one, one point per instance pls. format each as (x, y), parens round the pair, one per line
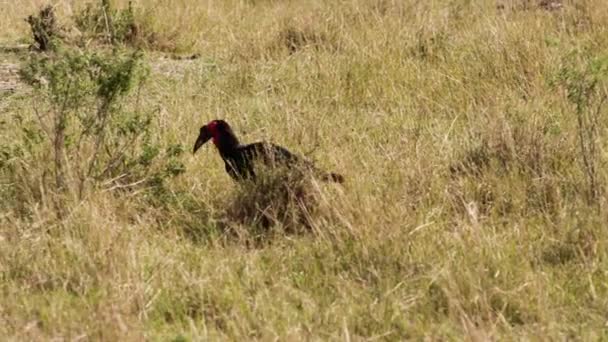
(203, 137)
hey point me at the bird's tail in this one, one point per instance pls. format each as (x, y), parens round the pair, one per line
(333, 177)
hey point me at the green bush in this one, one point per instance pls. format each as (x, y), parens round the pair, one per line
(95, 139)
(101, 20)
(584, 81)
(104, 23)
(44, 28)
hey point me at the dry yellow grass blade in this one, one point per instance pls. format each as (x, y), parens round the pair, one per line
(473, 140)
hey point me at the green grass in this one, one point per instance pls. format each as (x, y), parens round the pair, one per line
(466, 213)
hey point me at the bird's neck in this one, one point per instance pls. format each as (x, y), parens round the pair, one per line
(227, 144)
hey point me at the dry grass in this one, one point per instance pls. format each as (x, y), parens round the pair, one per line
(466, 212)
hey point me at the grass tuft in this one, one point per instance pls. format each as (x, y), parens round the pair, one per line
(473, 140)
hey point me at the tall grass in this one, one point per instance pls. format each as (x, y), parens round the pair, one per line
(468, 210)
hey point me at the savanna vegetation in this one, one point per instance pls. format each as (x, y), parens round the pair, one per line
(472, 136)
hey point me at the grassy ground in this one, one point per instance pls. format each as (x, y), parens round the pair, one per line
(474, 205)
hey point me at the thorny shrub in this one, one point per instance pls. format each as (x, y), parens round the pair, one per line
(85, 132)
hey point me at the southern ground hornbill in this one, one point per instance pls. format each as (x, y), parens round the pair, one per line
(240, 159)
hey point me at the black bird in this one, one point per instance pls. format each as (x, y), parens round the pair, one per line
(240, 159)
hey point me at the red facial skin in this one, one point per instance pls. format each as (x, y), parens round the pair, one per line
(212, 126)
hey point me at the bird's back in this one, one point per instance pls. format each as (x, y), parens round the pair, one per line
(241, 163)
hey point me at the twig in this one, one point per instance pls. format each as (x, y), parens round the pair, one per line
(109, 30)
(123, 186)
(45, 128)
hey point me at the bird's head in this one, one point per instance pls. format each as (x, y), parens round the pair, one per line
(219, 131)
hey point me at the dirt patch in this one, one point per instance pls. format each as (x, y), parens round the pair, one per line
(9, 77)
(175, 66)
(172, 67)
(549, 5)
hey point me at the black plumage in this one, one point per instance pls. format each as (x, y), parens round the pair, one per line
(240, 159)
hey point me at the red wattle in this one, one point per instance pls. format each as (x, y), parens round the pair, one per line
(212, 128)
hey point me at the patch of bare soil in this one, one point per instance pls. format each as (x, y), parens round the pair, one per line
(549, 5)
(172, 67)
(9, 77)
(9, 68)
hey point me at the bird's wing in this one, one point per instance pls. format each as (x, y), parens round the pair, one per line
(291, 158)
(271, 153)
(283, 154)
